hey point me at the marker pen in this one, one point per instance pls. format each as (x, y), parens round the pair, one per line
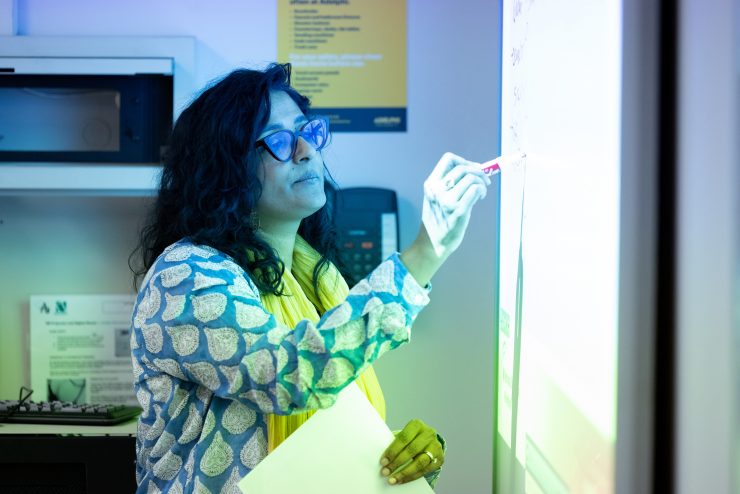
(493, 167)
(490, 167)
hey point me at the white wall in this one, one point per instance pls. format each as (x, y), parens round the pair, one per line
(445, 376)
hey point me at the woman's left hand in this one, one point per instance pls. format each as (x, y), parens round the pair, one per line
(417, 445)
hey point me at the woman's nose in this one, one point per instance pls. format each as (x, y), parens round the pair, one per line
(303, 151)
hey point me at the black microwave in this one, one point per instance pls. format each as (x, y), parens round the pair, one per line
(84, 118)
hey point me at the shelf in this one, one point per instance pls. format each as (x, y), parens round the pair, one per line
(93, 179)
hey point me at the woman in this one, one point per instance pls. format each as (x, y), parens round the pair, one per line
(243, 326)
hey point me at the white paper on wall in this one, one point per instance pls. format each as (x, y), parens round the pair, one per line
(80, 349)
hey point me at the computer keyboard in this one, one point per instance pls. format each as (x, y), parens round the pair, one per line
(66, 413)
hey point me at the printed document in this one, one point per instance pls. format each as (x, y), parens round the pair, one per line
(80, 349)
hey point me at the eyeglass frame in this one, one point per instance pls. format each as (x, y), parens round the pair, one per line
(295, 134)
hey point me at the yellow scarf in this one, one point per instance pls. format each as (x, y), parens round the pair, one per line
(298, 303)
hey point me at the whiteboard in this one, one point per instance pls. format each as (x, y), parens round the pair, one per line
(561, 97)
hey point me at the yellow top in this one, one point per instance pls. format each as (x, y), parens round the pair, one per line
(298, 303)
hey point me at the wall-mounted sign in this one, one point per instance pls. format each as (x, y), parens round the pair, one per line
(80, 348)
(349, 57)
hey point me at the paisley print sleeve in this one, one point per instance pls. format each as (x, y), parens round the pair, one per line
(199, 318)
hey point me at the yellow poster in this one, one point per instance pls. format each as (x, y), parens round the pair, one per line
(349, 58)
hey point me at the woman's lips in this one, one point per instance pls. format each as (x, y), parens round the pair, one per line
(307, 178)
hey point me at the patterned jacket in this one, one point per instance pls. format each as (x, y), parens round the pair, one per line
(209, 362)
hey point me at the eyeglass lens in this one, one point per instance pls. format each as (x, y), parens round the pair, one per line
(282, 144)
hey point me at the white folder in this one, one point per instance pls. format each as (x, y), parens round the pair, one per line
(337, 450)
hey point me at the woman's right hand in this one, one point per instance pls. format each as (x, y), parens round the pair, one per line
(450, 192)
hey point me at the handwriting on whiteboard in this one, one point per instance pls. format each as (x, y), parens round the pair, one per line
(517, 56)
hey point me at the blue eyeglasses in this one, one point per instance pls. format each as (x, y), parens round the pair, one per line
(282, 144)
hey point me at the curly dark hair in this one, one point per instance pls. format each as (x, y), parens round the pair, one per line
(210, 186)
